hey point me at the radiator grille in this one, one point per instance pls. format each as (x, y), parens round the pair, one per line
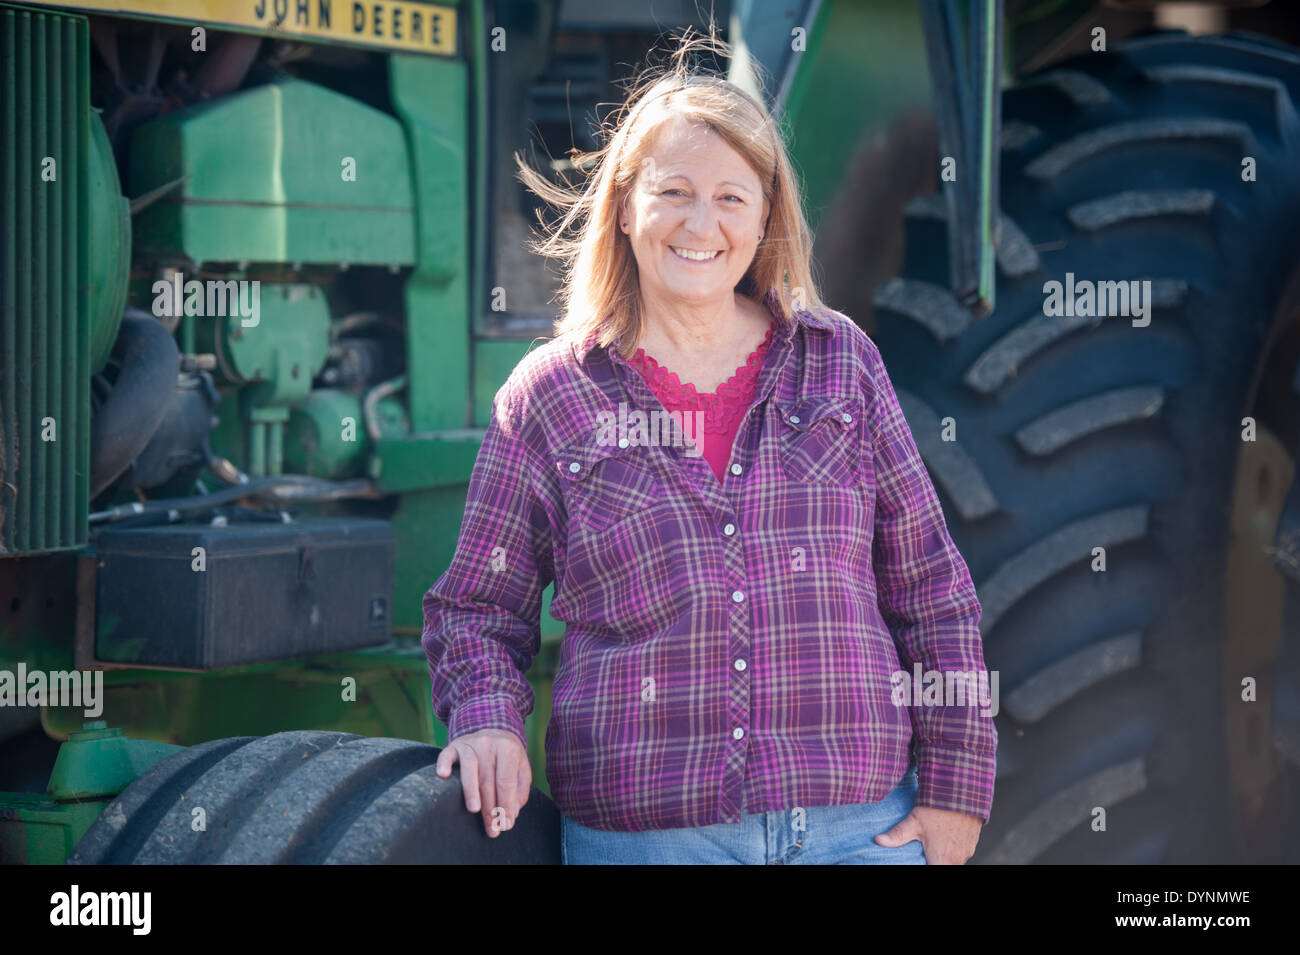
(44, 285)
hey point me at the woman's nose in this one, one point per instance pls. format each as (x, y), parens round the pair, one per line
(702, 220)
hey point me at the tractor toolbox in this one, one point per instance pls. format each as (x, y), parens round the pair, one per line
(201, 596)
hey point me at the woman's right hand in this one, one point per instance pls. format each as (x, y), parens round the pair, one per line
(494, 775)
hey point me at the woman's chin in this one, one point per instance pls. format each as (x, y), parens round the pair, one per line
(698, 291)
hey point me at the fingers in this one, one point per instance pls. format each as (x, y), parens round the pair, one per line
(507, 780)
(488, 789)
(513, 777)
(469, 781)
(525, 782)
(446, 760)
(905, 831)
(495, 776)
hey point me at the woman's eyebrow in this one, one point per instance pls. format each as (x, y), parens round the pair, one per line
(734, 185)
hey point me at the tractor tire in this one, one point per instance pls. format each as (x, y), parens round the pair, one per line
(1073, 434)
(308, 797)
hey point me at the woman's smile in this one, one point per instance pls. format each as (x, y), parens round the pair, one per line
(693, 255)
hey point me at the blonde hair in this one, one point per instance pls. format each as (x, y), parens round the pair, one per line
(600, 292)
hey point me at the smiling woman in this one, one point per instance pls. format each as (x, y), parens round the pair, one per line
(734, 617)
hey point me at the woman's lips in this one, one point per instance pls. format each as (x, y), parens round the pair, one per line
(677, 251)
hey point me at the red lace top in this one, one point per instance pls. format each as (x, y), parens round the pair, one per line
(722, 409)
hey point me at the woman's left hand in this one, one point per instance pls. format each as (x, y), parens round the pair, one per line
(947, 837)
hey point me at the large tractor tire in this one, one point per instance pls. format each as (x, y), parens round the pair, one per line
(308, 797)
(1073, 434)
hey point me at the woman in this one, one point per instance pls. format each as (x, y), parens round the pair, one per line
(747, 551)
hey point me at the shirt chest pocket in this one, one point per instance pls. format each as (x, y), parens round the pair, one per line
(605, 485)
(820, 440)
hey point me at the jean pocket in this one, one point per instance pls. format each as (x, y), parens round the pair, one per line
(821, 440)
(605, 485)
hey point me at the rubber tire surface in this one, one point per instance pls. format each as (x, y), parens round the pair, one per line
(1073, 434)
(309, 797)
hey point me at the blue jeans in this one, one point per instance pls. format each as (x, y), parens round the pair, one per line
(816, 835)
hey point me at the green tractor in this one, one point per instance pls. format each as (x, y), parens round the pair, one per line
(262, 270)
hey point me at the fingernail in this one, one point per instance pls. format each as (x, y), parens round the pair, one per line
(473, 805)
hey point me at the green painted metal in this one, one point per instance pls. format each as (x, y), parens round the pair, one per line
(97, 761)
(864, 66)
(494, 359)
(282, 196)
(110, 253)
(425, 460)
(380, 692)
(38, 830)
(327, 436)
(989, 98)
(275, 359)
(432, 99)
(280, 354)
(94, 765)
(426, 524)
(45, 307)
(40, 617)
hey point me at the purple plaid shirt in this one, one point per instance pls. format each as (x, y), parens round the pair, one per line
(730, 647)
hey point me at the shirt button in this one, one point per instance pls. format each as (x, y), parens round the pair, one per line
(794, 419)
(846, 418)
(738, 733)
(729, 529)
(622, 442)
(737, 596)
(740, 664)
(736, 469)
(575, 467)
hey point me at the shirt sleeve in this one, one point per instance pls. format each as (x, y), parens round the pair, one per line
(928, 600)
(482, 616)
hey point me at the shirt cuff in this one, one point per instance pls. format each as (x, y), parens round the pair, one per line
(486, 713)
(955, 779)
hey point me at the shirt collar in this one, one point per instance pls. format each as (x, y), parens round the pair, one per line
(785, 330)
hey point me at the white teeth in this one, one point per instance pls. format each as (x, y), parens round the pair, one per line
(693, 256)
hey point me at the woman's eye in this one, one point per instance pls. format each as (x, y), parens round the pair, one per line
(737, 198)
(672, 192)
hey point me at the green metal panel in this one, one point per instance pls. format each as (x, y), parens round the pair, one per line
(94, 765)
(386, 693)
(110, 253)
(494, 359)
(280, 351)
(432, 98)
(281, 196)
(44, 298)
(425, 461)
(864, 65)
(327, 436)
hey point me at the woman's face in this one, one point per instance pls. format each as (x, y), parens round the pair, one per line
(694, 194)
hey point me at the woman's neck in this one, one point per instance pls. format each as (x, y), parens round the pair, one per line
(705, 347)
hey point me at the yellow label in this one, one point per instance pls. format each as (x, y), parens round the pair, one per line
(388, 24)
